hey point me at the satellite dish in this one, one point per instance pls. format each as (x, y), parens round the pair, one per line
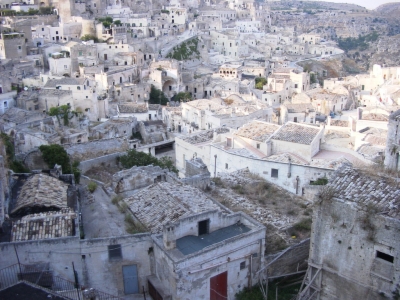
(25, 88)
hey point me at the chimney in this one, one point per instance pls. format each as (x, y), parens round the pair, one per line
(169, 237)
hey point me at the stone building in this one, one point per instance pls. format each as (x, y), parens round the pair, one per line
(392, 150)
(12, 45)
(354, 239)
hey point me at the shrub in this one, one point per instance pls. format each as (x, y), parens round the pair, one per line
(260, 81)
(133, 227)
(92, 186)
(116, 200)
(135, 158)
(320, 181)
(303, 225)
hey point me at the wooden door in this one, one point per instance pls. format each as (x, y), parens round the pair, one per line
(218, 287)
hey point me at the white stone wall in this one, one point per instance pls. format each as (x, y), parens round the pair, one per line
(347, 251)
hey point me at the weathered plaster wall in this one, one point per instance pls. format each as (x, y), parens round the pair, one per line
(94, 267)
(345, 239)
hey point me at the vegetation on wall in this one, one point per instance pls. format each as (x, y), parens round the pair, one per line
(56, 154)
(285, 291)
(45, 10)
(186, 50)
(320, 181)
(135, 158)
(10, 161)
(182, 96)
(260, 82)
(63, 112)
(157, 96)
(89, 37)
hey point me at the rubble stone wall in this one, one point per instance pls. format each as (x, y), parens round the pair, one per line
(93, 149)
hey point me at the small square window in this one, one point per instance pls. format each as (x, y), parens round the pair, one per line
(258, 146)
(274, 173)
(226, 166)
(114, 251)
(242, 265)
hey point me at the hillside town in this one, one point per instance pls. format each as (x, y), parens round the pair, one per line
(187, 149)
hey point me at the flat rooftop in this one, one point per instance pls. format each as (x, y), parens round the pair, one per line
(191, 243)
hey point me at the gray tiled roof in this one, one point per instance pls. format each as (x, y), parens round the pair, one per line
(64, 81)
(41, 226)
(258, 131)
(203, 136)
(165, 202)
(354, 186)
(299, 107)
(131, 108)
(296, 133)
(42, 190)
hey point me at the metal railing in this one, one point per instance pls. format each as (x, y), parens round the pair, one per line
(45, 278)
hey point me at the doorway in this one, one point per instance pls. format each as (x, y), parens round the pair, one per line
(218, 287)
(131, 285)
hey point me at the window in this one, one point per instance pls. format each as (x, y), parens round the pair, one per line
(274, 173)
(42, 29)
(5, 104)
(114, 251)
(78, 88)
(204, 227)
(295, 86)
(226, 166)
(65, 67)
(19, 47)
(258, 146)
(80, 53)
(384, 256)
(242, 265)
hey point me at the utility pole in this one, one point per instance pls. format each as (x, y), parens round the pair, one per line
(215, 166)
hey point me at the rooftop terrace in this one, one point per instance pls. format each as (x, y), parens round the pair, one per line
(191, 244)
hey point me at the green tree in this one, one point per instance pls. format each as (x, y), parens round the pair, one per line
(11, 163)
(56, 154)
(135, 158)
(64, 112)
(89, 37)
(313, 78)
(182, 96)
(118, 23)
(260, 82)
(46, 10)
(107, 21)
(157, 96)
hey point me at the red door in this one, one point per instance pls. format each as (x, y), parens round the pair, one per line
(218, 287)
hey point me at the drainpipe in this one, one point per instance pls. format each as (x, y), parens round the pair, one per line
(297, 184)
(290, 168)
(215, 166)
